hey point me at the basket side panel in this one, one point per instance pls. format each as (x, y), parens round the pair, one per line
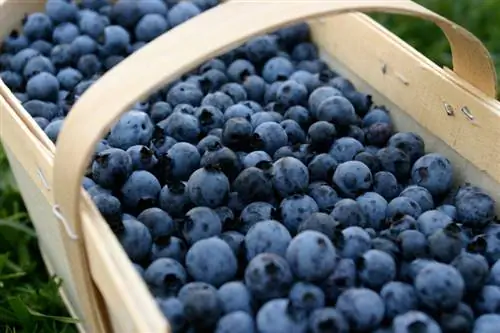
(49, 239)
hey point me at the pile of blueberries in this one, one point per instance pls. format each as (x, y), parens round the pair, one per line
(262, 192)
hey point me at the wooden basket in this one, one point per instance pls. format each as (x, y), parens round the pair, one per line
(454, 111)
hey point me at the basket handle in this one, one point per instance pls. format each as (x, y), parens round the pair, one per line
(183, 48)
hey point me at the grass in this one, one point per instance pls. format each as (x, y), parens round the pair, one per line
(28, 297)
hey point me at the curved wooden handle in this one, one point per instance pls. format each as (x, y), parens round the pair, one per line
(183, 48)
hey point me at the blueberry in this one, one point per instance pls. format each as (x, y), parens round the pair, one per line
(140, 190)
(413, 244)
(268, 276)
(125, 13)
(340, 279)
(213, 64)
(200, 223)
(96, 190)
(254, 158)
(235, 241)
(150, 26)
(321, 135)
(208, 187)
(410, 270)
(363, 308)
(356, 241)
(374, 207)
(135, 240)
(272, 136)
(111, 209)
(139, 269)
(376, 115)
(475, 208)
(165, 277)
(255, 87)
(173, 310)
(160, 224)
(260, 49)
(202, 308)
(446, 243)
(256, 212)
(400, 206)
(239, 70)
(69, 78)
(267, 236)
(325, 197)
(275, 316)
(337, 110)
(65, 33)
(211, 260)
(89, 65)
(217, 99)
(183, 158)
(38, 26)
(461, 319)
(171, 247)
(235, 297)
(15, 42)
(487, 323)
(161, 143)
(17, 61)
(12, 80)
(42, 109)
(318, 96)
(53, 128)
(181, 12)
(237, 133)
(378, 134)
(327, 320)
(36, 65)
(82, 45)
(259, 118)
(43, 86)
(449, 210)
(293, 34)
(235, 91)
(439, 286)
(320, 222)
(237, 110)
(224, 157)
(399, 298)
(344, 149)
(434, 172)
(184, 92)
(226, 216)
(474, 269)
(488, 300)
(291, 93)
(294, 132)
(111, 168)
(304, 298)
(494, 274)
(296, 209)
(421, 195)
(116, 40)
(192, 287)
(289, 176)
(352, 178)
(349, 213)
(300, 114)
(253, 184)
(152, 7)
(182, 127)
(133, 128)
(91, 24)
(236, 322)
(376, 268)
(307, 79)
(42, 46)
(415, 320)
(142, 158)
(431, 221)
(311, 256)
(160, 111)
(277, 69)
(61, 11)
(322, 167)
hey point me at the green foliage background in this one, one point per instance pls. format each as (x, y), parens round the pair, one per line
(28, 297)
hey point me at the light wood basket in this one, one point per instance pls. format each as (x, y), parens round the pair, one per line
(454, 111)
